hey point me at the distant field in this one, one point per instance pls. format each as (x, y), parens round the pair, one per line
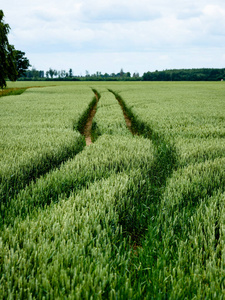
(132, 216)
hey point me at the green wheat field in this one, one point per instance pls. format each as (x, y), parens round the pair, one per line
(138, 214)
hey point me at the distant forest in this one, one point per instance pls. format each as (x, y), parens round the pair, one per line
(185, 75)
(204, 74)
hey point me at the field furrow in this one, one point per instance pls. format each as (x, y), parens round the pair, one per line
(38, 135)
(139, 214)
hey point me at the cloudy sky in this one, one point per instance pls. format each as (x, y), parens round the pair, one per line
(107, 35)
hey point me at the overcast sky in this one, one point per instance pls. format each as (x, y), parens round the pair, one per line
(107, 35)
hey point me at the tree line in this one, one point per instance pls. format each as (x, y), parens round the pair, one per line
(204, 74)
(53, 74)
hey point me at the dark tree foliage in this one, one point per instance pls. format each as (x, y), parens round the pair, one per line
(185, 75)
(22, 63)
(7, 54)
(33, 74)
(70, 73)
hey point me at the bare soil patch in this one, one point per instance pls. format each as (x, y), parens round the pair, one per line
(88, 125)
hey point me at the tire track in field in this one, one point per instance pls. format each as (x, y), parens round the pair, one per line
(84, 125)
(147, 197)
(127, 117)
(11, 187)
(88, 125)
(155, 176)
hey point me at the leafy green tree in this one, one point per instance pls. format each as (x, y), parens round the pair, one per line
(22, 63)
(121, 73)
(62, 73)
(70, 73)
(7, 54)
(35, 73)
(51, 72)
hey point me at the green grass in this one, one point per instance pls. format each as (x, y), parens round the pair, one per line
(131, 216)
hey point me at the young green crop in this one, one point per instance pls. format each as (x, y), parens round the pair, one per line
(130, 217)
(189, 113)
(98, 161)
(37, 133)
(182, 252)
(109, 117)
(75, 246)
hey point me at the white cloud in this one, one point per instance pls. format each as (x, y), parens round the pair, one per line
(118, 11)
(55, 29)
(214, 19)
